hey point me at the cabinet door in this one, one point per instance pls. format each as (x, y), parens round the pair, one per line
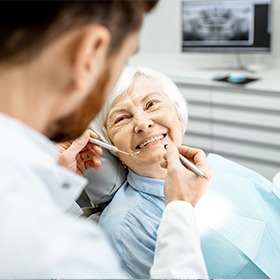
(198, 132)
(246, 128)
(239, 124)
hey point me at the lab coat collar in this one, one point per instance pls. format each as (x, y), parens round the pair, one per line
(30, 150)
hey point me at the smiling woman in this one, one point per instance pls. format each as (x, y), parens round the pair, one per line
(238, 217)
(147, 109)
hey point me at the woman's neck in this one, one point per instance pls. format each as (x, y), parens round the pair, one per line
(155, 172)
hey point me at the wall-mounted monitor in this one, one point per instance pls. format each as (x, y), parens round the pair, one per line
(233, 26)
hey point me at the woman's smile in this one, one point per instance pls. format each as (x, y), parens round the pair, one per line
(151, 141)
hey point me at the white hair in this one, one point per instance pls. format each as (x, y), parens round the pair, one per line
(125, 84)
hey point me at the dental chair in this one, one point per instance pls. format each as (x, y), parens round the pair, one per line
(102, 185)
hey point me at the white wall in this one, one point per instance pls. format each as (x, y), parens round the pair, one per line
(161, 33)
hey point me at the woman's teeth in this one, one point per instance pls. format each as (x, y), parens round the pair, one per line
(150, 141)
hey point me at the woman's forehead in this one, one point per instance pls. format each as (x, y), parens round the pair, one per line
(142, 88)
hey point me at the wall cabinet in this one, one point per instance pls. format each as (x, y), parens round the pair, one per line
(235, 122)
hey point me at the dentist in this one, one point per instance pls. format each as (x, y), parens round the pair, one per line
(58, 62)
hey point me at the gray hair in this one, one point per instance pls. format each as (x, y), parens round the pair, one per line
(126, 82)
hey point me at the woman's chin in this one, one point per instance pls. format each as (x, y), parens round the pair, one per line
(152, 159)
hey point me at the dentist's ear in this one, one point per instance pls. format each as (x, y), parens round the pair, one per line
(89, 55)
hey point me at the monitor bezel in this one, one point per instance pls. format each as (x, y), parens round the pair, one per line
(225, 49)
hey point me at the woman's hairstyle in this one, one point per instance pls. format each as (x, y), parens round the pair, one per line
(26, 27)
(125, 85)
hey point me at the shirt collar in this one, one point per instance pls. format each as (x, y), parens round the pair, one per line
(147, 185)
(32, 150)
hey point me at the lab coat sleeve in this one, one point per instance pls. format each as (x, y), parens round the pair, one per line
(178, 253)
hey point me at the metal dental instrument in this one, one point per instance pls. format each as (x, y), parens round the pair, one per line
(111, 147)
(189, 164)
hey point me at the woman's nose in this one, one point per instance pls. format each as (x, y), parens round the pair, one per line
(143, 124)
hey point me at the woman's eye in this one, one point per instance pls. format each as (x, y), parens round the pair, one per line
(119, 119)
(151, 103)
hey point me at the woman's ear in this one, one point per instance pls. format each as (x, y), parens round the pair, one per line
(89, 55)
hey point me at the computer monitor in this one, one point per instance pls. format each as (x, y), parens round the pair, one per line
(230, 26)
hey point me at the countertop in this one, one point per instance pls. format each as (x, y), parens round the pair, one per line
(193, 70)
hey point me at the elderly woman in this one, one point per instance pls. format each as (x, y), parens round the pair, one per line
(239, 216)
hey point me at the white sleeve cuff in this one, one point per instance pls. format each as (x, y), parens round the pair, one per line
(178, 253)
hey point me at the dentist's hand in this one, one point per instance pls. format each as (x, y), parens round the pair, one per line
(180, 182)
(80, 154)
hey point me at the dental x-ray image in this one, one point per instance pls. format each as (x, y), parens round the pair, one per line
(219, 23)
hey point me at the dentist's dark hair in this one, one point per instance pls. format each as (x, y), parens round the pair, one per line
(26, 27)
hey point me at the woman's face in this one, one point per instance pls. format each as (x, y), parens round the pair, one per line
(142, 120)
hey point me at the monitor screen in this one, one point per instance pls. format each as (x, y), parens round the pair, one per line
(233, 26)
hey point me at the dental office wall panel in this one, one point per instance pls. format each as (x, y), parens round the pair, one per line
(240, 124)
